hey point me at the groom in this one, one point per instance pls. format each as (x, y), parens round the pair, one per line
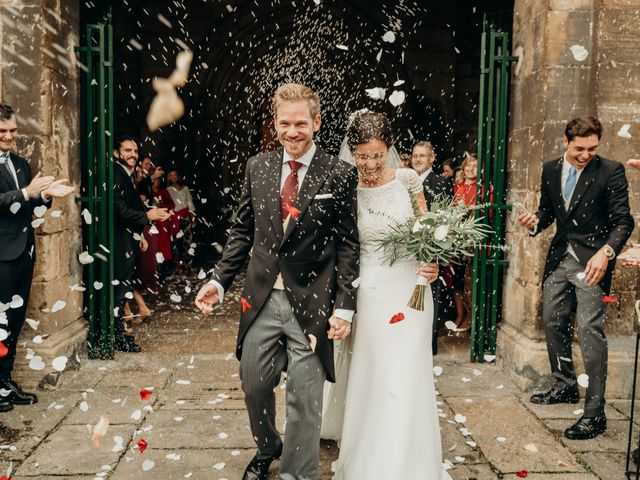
(297, 218)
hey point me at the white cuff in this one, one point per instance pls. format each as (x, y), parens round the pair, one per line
(533, 231)
(220, 289)
(344, 314)
(25, 194)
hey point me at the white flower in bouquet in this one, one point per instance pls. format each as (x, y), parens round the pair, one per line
(441, 233)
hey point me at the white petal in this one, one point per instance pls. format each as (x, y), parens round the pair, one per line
(60, 363)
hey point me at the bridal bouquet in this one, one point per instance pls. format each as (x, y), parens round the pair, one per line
(443, 235)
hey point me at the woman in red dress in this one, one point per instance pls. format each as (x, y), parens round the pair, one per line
(465, 193)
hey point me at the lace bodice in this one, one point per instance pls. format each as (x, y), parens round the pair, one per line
(381, 207)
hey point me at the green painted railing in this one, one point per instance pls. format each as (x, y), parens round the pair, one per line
(489, 261)
(96, 61)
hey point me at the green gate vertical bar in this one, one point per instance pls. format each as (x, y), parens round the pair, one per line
(492, 142)
(108, 158)
(98, 184)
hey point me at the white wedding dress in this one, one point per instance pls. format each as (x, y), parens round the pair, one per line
(390, 427)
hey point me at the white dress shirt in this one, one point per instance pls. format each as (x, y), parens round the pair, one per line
(305, 160)
(423, 176)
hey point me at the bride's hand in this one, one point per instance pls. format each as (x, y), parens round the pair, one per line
(429, 271)
(338, 328)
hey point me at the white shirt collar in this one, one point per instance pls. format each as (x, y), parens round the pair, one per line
(4, 156)
(305, 159)
(423, 176)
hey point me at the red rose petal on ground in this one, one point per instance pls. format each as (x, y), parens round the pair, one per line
(145, 393)
(608, 299)
(398, 317)
(3, 353)
(245, 304)
(142, 445)
(5, 477)
(522, 474)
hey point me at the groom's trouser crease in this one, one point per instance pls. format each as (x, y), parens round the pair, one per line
(560, 290)
(275, 340)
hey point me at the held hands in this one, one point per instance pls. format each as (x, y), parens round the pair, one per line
(429, 271)
(158, 214)
(58, 189)
(528, 220)
(39, 184)
(338, 328)
(207, 297)
(596, 268)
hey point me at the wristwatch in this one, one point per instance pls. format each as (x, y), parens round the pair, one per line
(608, 251)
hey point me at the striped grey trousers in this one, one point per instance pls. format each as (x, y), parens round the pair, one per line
(274, 341)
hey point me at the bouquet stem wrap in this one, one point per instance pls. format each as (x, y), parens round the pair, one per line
(417, 298)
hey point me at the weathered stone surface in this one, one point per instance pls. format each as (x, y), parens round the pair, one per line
(606, 466)
(80, 456)
(199, 429)
(509, 419)
(613, 440)
(117, 404)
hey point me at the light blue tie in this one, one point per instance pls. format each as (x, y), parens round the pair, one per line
(570, 184)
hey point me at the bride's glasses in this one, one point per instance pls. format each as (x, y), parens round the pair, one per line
(373, 156)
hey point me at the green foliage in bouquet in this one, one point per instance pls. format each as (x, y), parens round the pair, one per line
(443, 235)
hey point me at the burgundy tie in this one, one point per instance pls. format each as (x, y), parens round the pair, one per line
(290, 189)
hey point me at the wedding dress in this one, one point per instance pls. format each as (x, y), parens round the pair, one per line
(390, 428)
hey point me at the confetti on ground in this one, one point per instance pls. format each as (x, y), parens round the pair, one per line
(100, 430)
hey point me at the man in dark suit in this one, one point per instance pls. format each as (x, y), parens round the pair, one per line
(130, 217)
(20, 193)
(297, 215)
(587, 197)
(422, 157)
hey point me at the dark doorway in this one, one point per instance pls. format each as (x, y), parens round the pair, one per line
(429, 50)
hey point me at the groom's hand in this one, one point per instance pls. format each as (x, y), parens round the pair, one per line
(338, 328)
(207, 297)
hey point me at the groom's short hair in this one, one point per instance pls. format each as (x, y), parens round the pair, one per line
(583, 127)
(294, 92)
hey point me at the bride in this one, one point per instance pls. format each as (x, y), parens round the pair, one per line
(390, 427)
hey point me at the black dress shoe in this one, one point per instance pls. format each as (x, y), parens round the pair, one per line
(586, 428)
(127, 343)
(17, 395)
(258, 469)
(557, 395)
(5, 405)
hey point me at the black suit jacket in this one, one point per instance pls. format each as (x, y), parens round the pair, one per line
(597, 215)
(317, 255)
(16, 232)
(435, 185)
(129, 217)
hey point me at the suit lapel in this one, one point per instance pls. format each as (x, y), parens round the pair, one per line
(272, 173)
(556, 185)
(586, 179)
(6, 174)
(313, 180)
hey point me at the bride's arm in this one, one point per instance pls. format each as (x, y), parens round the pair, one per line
(421, 202)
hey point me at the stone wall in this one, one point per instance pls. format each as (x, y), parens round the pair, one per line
(550, 86)
(39, 78)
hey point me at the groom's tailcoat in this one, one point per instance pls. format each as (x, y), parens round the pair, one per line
(598, 213)
(317, 254)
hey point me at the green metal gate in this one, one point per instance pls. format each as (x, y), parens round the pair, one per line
(489, 261)
(96, 60)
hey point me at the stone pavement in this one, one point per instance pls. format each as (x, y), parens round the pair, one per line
(195, 425)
